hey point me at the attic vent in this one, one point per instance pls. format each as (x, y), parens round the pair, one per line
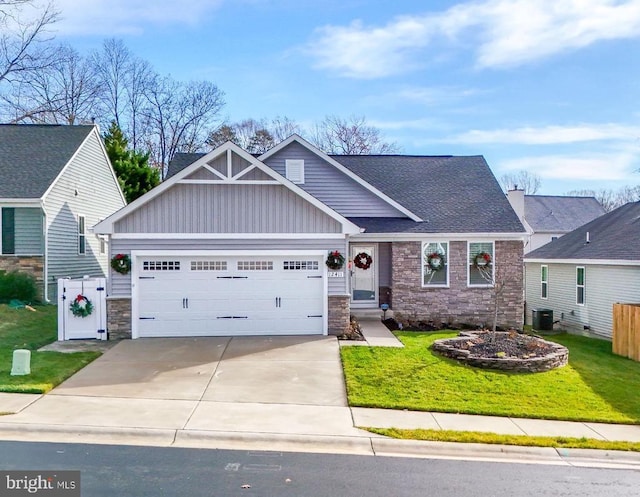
(294, 170)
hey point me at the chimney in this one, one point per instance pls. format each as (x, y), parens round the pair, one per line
(516, 199)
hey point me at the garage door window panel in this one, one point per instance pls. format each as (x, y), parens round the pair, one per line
(161, 265)
(255, 265)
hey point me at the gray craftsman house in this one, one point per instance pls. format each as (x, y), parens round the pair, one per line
(56, 182)
(233, 244)
(548, 217)
(581, 275)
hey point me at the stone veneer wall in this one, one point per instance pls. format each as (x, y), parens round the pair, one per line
(119, 317)
(33, 265)
(339, 313)
(457, 304)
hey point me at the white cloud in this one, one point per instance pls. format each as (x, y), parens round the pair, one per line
(502, 32)
(600, 167)
(117, 17)
(549, 135)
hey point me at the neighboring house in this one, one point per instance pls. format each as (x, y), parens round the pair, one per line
(548, 217)
(56, 182)
(581, 275)
(233, 244)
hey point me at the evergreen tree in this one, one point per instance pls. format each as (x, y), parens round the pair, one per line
(135, 175)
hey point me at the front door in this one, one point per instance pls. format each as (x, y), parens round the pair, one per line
(364, 278)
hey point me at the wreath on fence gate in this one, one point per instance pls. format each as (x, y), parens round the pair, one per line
(482, 260)
(81, 306)
(335, 260)
(363, 260)
(436, 261)
(121, 263)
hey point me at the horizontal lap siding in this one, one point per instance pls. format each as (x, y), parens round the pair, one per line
(207, 208)
(98, 196)
(605, 285)
(120, 285)
(29, 231)
(331, 186)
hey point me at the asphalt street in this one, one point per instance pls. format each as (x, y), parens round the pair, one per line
(151, 471)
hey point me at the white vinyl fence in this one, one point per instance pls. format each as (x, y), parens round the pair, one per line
(84, 291)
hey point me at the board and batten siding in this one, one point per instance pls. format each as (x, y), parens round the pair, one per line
(331, 186)
(605, 285)
(119, 285)
(29, 231)
(86, 187)
(210, 208)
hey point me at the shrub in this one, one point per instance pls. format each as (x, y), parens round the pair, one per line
(16, 285)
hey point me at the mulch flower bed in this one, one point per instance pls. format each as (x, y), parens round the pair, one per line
(512, 344)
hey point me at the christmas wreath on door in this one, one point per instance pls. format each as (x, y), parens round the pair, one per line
(363, 260)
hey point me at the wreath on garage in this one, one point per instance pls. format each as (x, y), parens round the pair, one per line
(121, 263)
(335, 260)
(436, 261)
(482, 260)
(363, 260)
(81, 306)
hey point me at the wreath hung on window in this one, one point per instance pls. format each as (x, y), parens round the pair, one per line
(436, 261)
(482, 260)
(81, 306)
(335, 260)
(363, 260)
(121, 263)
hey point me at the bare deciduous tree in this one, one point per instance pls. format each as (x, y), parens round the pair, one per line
(179, 116)
(22, 29)
(351, 136)
(65, 92)
(610, 199)
(523, 180)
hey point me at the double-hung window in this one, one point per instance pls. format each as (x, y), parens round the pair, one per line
(580, 285)
(82, 235)
(544, 281)
(481, 264)
(435, 264)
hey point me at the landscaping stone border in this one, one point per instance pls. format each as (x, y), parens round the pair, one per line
(558, 357)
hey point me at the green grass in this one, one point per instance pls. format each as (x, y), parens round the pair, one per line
(492, 438)
(23, 329)
(596, 385)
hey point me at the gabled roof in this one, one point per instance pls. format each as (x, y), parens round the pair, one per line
(180, 161)
(452, 194)
(555, 214)
(32, 156)
(106, 226)
(440, 194)
(613, 236)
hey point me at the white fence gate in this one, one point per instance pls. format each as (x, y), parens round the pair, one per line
(94, 325)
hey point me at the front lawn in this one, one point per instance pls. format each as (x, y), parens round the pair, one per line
(24, 329)
(595, 386)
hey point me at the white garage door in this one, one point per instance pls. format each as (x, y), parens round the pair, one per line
(234, 295)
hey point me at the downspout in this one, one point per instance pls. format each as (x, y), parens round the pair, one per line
(46, 253)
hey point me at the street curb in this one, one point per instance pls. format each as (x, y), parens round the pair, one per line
(26, 432)
(274, 441)
(395, 447)
(370, 445)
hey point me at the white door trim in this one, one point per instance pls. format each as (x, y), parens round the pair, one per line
(360, 304)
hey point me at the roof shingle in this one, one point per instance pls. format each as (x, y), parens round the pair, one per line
(613, 236)
(554, 214)
(33, 155)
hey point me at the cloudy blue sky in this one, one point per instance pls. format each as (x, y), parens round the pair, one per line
(550, 86)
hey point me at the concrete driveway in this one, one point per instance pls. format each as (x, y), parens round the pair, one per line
(246, 384)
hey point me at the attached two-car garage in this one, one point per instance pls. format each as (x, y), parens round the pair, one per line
(228, 294)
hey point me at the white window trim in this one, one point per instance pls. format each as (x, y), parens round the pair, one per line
(543, 282)
(83, 234)
(298, 164)
(493, 265)
(422, 272)
(583, 286)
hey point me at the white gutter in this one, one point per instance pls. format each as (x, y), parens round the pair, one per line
(579, 262)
